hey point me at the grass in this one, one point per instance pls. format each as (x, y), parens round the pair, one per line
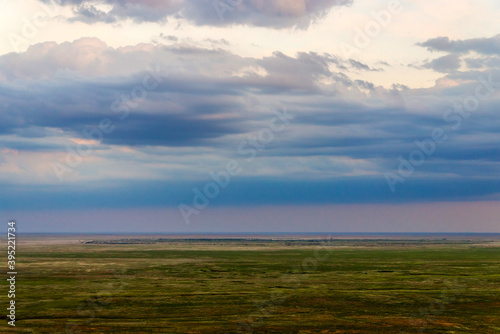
(258, 286)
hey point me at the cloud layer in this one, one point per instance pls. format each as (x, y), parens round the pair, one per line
(474, 53)
(485, 46)
(175, 113)
(272, 13)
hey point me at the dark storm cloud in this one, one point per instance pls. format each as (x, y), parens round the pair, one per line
(272, 13)
(363, 132)
(167, 130)
(195, 102)
(245, 191)
(77, 113)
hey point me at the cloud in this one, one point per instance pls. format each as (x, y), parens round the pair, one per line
(445, 64)
(73, 86)
(168, 130)
(485, 46)
(344, 129)
(243, 192)
(137, 10)
(88, 13)
(271, 13)
(360, 66)
(483, 53)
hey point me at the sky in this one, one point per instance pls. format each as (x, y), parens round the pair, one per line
(167, 116)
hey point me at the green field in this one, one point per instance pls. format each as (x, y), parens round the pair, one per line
(258, 286)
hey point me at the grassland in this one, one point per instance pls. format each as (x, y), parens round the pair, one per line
(258, 286)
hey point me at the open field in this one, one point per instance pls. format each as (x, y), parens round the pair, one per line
(134, 285)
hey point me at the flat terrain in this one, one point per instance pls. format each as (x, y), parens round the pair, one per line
(134, 285)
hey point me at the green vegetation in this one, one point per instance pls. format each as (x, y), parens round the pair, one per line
(259, 286)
